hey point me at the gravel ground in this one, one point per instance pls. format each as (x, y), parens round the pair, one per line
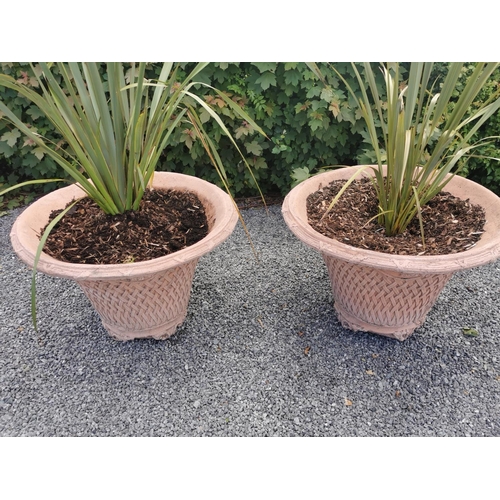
(261, 353)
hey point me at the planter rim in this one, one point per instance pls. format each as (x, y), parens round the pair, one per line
(486, 250)
(25, 240)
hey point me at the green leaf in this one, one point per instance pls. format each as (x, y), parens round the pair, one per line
(31, 161)
(266, 80)
(315, 124)
(283, 97)
(300, 174)
(314, 92)
(34, 112)
(265, 66)
(348, 114)
(299, 107)
(318, 105)
(259, 163)
(242, 130)
(5, 150)
(11, 137)
(292, 78)
(326, 94)
(38, 152)
(204, 116)
(254, 148)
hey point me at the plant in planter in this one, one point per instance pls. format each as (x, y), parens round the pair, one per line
(115, 131)
(379, 289)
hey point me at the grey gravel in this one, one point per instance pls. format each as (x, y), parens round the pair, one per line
(238, 365)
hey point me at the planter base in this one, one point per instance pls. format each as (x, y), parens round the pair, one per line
(389, 303)
(148, 308)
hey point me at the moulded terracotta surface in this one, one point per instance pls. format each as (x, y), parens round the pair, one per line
(383, 293)
(135, 300)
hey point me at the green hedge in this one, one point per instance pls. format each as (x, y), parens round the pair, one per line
(21, 160)
(284, 98)
(480, 167)
(307, 126)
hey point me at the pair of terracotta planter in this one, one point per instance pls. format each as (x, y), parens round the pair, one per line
(381, 293)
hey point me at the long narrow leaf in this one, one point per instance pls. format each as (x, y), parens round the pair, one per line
(38, 253)
(27, 183)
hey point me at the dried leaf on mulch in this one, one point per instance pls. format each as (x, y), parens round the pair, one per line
(470, 332)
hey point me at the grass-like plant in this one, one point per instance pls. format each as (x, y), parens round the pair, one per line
(421, 128)
(116, 130)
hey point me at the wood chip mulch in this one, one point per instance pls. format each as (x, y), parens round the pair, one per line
(451, 225)
(167, 221)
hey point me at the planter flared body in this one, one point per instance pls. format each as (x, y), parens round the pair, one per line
(146, 299)
(383, 293)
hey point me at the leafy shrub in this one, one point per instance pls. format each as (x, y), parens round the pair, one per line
(481, 167)
(285, 99)
(308, 128)
(20, 158)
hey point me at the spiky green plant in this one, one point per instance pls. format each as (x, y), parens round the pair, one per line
(116, 131)
(421, 131)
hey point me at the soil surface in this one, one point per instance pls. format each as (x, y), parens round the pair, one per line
(167, 221)
(451, 225)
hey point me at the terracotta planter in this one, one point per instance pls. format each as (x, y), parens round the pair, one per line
(136, 300)
(382, 293)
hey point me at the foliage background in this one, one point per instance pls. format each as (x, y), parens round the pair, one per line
(308, 128)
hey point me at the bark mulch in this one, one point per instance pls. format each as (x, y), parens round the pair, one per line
(451, 225)
(167, 221)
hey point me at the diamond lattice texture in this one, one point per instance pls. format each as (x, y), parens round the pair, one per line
(385, 302)
(151, 307)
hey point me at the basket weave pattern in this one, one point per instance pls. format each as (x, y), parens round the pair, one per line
(390, 303)
(151, 307)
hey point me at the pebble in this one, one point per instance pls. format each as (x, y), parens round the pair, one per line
(224, 373)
